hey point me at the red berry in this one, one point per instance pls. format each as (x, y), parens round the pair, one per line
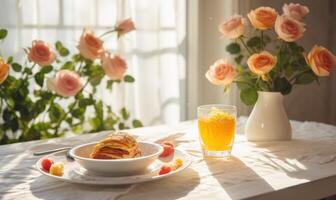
(168, 144)
(165, 169)
(46, 164)
(167, 151)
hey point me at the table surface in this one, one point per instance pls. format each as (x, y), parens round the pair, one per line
(304, 168)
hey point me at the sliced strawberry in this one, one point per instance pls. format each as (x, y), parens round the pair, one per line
(167, 151)
(46, 164)
(168, 144)
(165, 169)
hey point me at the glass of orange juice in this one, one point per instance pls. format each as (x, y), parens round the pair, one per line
(216, 125)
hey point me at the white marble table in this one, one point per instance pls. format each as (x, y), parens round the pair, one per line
(304, 168)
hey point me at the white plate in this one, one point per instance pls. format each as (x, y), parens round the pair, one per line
(74, 173)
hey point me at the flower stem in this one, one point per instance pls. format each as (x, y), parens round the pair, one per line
(69, 111)
(244, 44)
(262, 39)
(244, 82)
(108, 32)
(298, 74)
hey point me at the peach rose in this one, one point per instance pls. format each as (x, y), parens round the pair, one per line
(90, 46)
(233, 27)
(221, 73)
(288, 28)
(4, 70)
(261, 63)
(125, 26)
(295, 10)
(263, 17)
(41, 53)
(66, 83)
(114, 66)
(321, 60)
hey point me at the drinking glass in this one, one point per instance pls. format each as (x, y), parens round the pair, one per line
(216, 125)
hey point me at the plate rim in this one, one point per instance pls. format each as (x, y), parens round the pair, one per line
(138, 180)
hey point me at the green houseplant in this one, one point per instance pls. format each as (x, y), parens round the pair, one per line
(55, 92)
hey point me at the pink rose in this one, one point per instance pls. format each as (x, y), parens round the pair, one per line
(4, 70)
(125, 26)
(41, 53)
(288, 28)
(66, 83)
(321, 61)
(221, 73)
(90, 46)
(114, 66)
(233, 28)
(261, 63)
(295, 10)
(262, 17)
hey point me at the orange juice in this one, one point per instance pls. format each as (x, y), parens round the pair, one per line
(217, 130)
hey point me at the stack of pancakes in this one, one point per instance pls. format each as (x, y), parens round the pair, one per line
(116, 146)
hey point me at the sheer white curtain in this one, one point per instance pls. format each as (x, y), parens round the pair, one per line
(155, 52)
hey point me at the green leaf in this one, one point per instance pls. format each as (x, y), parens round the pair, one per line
(17, 67)
(39, 78)
(95, 123)
(121, 126)
(110, 122)
(85, 102)
(137, 123)
(7, 115)
(58, 45)
(64, 52)
(61, 49)
(109, 84)
(295, 48)
(125, 115)
(129, 79)
(95, 80)
(249, 96)
(240, 68)
(27, 70)
(238, 59)
(99, 110)
(305, 78)
(55, 112)
(14, 124)
(289, 70)
(68, 65)
(3, 34)
(78, 113)
(282, 85)
(46, 69)
(233, 48)
(10, 60)
(254, 42)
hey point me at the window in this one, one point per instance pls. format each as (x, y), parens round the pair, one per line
(155, 53)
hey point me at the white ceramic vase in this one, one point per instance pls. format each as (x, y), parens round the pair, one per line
(268, 120)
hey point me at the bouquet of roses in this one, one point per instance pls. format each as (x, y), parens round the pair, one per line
(65, 89)
(273, 64)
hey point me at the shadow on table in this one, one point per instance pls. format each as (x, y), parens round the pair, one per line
(292, 161)
(230, 172)
(49, 189)
(15, 170)
(176, 186)
(296, 161)
(173, 187)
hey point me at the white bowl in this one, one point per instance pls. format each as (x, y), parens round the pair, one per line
(127, 166)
